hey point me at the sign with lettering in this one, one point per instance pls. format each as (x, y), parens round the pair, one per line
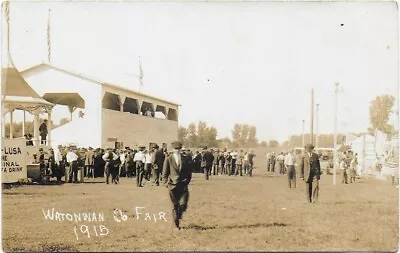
(13, 160)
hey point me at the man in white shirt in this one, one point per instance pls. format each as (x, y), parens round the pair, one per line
(290, 162)
(280, 159)
(72, 160)
(147, 164)
(109, 168)
(140, 160)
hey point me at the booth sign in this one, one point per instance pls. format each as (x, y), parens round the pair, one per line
(13, 160)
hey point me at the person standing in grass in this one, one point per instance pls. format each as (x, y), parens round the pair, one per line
(353, 168)
(290, 161)
(246, 164)
(177, 174)
(311, 172)
(239, 163)
(250, 158)
(228, 163)
(222, 163)
(139, 160)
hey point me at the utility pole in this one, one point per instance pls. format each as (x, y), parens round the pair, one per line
(335, 155)
(302, 143)
(316, 126)
(312, 117)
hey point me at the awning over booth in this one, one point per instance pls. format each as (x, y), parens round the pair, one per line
(68, 99)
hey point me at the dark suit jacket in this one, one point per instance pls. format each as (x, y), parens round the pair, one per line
(43, 129)
(307, 164)
(173, 174)
(208, 157)
(159, 158)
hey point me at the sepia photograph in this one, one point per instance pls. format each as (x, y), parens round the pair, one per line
(151, 126)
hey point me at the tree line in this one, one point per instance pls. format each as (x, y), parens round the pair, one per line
(200, 135)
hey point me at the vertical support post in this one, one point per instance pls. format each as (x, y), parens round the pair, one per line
(140, 103)
(23, 124)
(36, 129)
(363, 160)
(11, 124)
(71, 110)
(121, 102)
(3, 124)
(49, 127)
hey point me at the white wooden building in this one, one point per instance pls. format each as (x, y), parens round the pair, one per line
(113, 116)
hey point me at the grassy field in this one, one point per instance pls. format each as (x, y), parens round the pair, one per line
(225, 213)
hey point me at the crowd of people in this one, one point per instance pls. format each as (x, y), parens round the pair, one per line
(144, 165)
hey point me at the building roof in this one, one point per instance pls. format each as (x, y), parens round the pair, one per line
(105, 84)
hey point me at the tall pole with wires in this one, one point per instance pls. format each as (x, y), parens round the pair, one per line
(335, 155)
(48, 37)
(312, 118)
(316, 125)
(302, 141)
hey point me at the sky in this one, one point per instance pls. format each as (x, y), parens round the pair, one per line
(225, 62)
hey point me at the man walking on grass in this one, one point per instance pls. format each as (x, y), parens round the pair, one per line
(177, 173)
(311, 172)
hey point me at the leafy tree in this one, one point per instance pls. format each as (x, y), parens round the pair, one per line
(182, 135)
(252, 140)
(379, 112)
(236, 133)
(192, 135)
(212, 137)
(202, 131)
(244, 135)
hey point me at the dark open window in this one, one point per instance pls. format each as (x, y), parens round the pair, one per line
(172, 114)
(131, 105)
(147, 109)
(111, 101)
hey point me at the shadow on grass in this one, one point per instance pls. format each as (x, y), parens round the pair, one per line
(256, 225)
(46, 248)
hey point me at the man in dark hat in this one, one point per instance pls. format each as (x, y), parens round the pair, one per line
(158, 163)
(206, 162)
(43, 132)
(310, 172)
(177, 173)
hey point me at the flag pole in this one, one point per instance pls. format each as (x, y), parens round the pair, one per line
(140, 74)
